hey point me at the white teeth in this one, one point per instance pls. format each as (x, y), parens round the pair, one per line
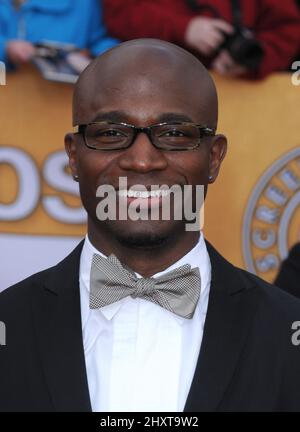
(122, 193)
(143, 194)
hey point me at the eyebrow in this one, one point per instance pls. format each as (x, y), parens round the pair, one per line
(121, 116)
(116, 116)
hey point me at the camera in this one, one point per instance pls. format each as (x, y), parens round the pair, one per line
(243, 48)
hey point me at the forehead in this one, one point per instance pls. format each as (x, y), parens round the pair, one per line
(144, 88)
(145, 97)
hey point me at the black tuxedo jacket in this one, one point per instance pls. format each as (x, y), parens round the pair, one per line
(288, 277)
(247, 360)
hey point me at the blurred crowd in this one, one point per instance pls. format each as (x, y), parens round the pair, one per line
(234, 37)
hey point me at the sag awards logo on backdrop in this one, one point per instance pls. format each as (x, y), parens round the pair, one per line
(272, 218)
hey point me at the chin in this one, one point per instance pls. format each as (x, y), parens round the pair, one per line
(142, 234)
(142, 240)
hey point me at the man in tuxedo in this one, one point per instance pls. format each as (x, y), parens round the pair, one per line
(145, 315)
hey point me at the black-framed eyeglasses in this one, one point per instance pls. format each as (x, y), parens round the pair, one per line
(175, 136)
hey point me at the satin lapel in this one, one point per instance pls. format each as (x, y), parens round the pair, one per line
(57, 317)
(232, 305)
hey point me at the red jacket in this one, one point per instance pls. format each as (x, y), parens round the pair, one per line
(276, 23)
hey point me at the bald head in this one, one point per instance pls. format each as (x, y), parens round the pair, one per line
(144, 83)
(140, 70)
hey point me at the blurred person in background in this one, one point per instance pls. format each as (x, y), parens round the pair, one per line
(235, 38)
(288, 277)
(297, 56)
(25, 23)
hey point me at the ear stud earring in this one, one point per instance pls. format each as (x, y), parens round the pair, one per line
(76, 178)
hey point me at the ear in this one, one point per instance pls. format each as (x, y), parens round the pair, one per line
(71, 150)
(218, 149)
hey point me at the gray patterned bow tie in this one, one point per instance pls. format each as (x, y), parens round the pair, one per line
(177, 291)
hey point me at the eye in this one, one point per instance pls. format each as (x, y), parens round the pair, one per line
(110, 133)
(173, 133)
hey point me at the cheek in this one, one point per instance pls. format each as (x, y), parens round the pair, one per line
(93, 167)
(194, 166)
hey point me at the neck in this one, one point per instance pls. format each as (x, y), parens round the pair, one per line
(143, 260)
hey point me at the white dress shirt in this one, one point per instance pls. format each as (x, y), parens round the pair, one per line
(139, 356)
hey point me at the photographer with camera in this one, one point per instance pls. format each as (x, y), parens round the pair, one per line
(234, 37)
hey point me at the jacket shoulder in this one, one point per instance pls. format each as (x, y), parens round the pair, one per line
(20, 292)
(234, 279)
(22, 287)
(271, 296)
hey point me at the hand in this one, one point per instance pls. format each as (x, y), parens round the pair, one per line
(78, 61)
(206, 34)
(225, 65)
(19, 51)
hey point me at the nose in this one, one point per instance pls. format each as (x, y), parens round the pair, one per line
(142, 156)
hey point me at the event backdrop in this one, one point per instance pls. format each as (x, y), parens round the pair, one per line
(252, 213)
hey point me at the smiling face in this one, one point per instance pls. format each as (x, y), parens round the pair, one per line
(143, 83)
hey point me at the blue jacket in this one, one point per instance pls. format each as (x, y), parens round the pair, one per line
(78, 22)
